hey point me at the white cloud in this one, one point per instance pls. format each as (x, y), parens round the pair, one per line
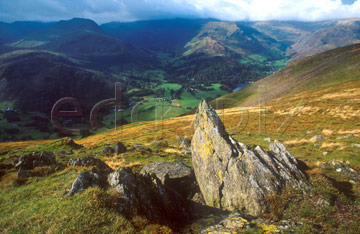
(129, 10)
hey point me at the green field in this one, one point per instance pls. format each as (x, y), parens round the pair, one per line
(164, 107)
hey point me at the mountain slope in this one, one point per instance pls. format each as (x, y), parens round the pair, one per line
(35, 80)
(85, 39)
(215, 38)
(164, 35)
(343, 33)
(329, 68)
(19, 29)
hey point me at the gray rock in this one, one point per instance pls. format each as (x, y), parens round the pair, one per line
(316, 138)
(146, 195)
(120, 148)
(22, 174)
(48, 158)
(108, 150)
(185, 144)
(344, 168)
(96, 177)
(70, 152)
(36, 159)
(231, 224)
(85, 180)
(183, 141)
(175, 175)
(232, 176)
(267, 139)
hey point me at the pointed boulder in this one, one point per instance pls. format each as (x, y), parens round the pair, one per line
(233, 177)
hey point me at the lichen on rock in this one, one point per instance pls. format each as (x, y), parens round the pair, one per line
(234, 177)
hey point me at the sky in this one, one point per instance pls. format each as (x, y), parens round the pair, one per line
(103, 11)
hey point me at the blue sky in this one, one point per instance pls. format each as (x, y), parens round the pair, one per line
(103, 11)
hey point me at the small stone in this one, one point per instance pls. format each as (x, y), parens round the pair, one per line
(120, 148)
(267, 139)
(316, 138)
(108, 150)
(325, 153)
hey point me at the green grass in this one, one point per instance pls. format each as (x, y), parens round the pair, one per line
(41, 207)
(6, 104)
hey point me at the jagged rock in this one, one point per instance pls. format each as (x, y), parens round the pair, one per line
(344, 167)
(120, 148)
(175, 175)
(108, 150)
(89, 161)
(185, 144)
(233, 223)
(36, 159)
(48, 158)
(146, 195)
(96, 177)
(233, 177)
(85, 180)
(70, 152)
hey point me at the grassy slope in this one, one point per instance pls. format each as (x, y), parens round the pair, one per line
(324, 99)
(330, 68)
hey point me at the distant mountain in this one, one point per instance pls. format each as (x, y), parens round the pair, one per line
(343, 33)
(20, 29)
(219, 38)
(157, 35)
(309, 38)
(85, 39)
(35, 80)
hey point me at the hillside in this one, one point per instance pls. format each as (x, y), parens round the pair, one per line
(314, 73)
(308, 38)
(312, 106)
(343, 33)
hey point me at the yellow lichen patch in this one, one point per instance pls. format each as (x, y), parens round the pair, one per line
(220, 176)
(268, 229)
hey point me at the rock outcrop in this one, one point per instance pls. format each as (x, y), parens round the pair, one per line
(36, 159)
(96, 177)
(120, 148)
(175, 175)
(146, 195)
(232, 176)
